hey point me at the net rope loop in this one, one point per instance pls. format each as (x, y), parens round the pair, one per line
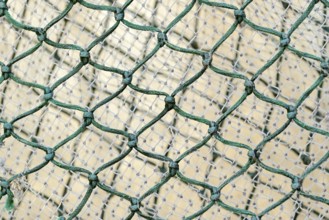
(215, 194)
(93, 180)
(127, 77)
(88, 117)
(296, 184)
(207, 59)
(169, 102)
(48, 94)
(213, 127)
(6, 191)
(6, 72)
(291, 112)
(253, 156)
(325, 68)
(285, 40)
(41, 34)
(8, 129)
(3, 8)
(50, 155)
(249, 86)
(239, 15)
(162, 38)
(173, 168)
(119, 14)
(84, 57)
(134, 205)
(132, 140)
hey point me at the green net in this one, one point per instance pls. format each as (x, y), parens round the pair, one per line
(157, 109)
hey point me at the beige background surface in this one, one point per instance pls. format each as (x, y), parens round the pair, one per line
(40, 195)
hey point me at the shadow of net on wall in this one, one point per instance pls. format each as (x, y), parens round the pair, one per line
(164, 109)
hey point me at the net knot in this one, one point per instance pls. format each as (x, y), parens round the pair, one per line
(212, 128)
(170, 102)
(41, 34)
(253, 155)
(50, 155)
(215, 195)
(292, 112)
(74, 1)
(6, 71)
(285, 40)
(8, 128)
(206, 59)
(173, 168)
(296, 183)
(84, 56)
(88, 117)
(325, 68)
(119, 14)
(4, 184)
(3, 8)
(249, 86)
(239, 15)
(93, 180)
(306, 159)
(48, 94)
(132, 143)
(127, 77)
(134, 205)
(162, 38)
(5, 187)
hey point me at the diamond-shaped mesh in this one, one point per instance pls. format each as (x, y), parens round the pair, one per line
(164, 109)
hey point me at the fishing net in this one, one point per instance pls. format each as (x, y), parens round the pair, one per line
(164, 109)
